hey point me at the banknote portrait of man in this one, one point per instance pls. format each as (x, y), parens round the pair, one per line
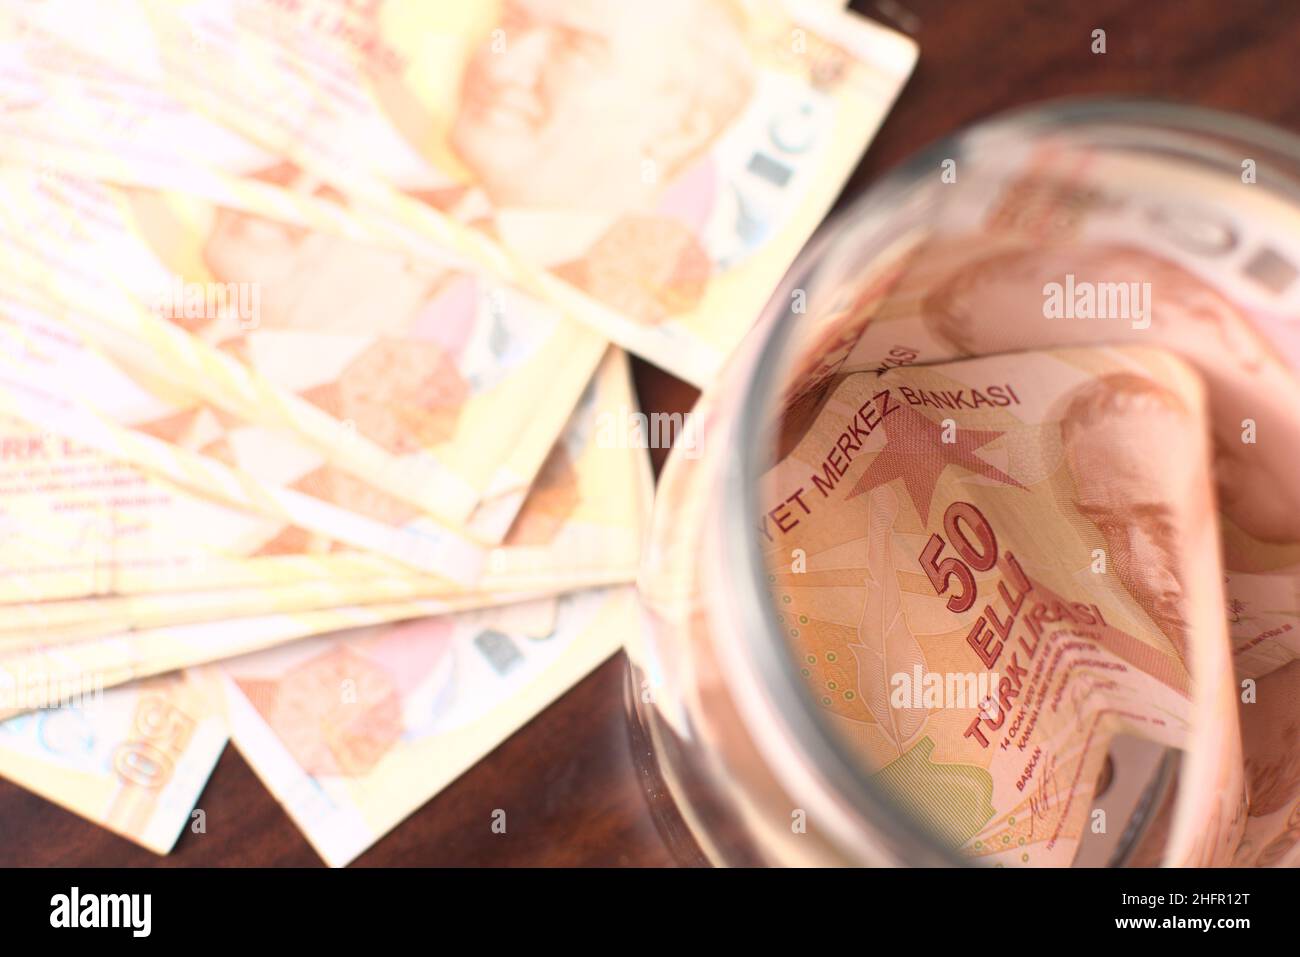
(313, 280)
(604, 114)
(405, 389)
(586, 104)
(995, 304)
(434, 336)
(1124, 436)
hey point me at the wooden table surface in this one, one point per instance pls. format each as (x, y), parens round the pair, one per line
(567, 778)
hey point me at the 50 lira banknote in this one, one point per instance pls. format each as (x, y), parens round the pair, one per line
(1028, 530)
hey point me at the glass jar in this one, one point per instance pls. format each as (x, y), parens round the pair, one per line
(741, 765)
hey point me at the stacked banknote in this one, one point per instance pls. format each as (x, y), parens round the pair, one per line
(1032, 528)
(314, 404)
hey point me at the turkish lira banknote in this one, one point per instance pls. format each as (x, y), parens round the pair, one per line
(294, 347)
(1032, 524)
(1059, 246)
(667, 231)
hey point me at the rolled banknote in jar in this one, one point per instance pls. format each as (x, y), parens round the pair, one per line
(986, 548)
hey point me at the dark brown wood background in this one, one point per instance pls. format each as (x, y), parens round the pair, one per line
(567, 778)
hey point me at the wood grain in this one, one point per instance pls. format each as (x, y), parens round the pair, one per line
(567, 780)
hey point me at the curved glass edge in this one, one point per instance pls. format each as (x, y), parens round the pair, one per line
(869, 214)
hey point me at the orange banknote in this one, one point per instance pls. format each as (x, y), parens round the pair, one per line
(121, 549)
(667, 231)
(988, 570)
(416, 377)
(352, 732)
(1064, 248)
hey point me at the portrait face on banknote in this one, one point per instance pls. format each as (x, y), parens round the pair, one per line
(996, 304)
(391, 334)
(312, 280)
(402, 388)
(546, 116)
(1124, 437)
